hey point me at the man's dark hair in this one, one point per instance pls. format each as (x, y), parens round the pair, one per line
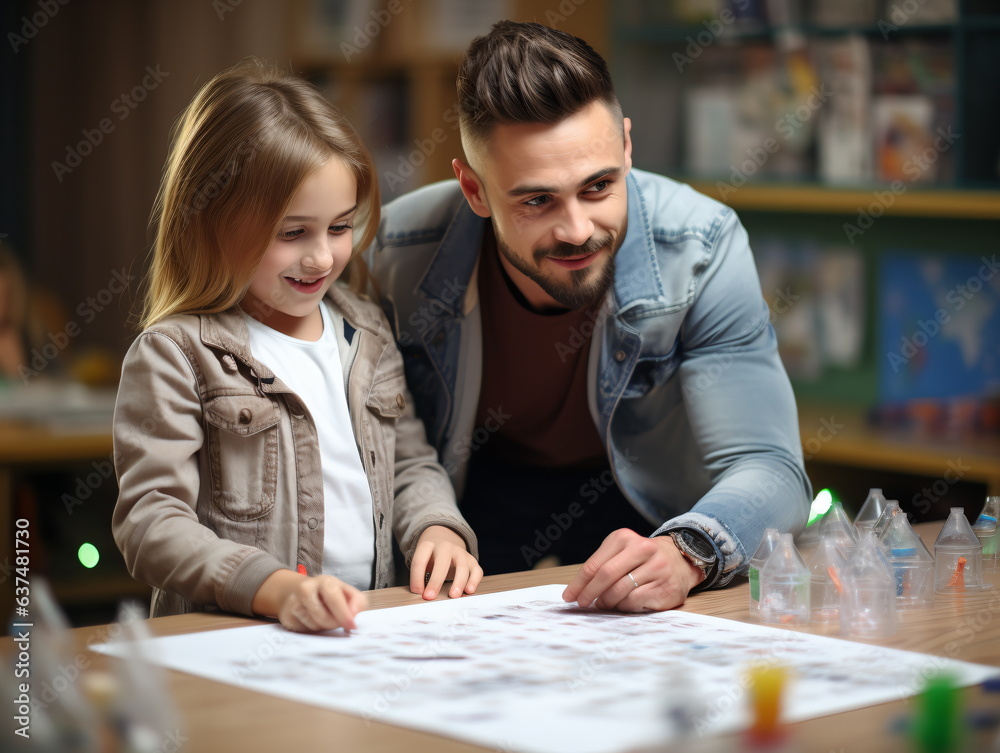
(528, 73)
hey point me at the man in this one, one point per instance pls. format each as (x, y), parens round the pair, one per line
(587, 344)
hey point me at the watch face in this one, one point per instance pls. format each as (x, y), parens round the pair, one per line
(698, 546)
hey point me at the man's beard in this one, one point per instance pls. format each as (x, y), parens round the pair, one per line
(579, 292)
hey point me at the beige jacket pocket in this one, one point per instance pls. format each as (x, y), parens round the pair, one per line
(242, 438)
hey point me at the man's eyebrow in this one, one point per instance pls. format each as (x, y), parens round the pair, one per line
(605, 172)
(304, 218)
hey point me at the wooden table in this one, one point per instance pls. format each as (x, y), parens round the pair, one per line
(220, 717)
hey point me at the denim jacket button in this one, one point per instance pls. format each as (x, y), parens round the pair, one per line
(246, 416)
(619, 355)
(400, 401)
(313, 524)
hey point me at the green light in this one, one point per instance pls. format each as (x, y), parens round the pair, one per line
(820, 506)
(88, 555)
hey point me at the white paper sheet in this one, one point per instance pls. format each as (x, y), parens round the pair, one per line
(524, 671)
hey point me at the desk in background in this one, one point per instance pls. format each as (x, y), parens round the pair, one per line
(226, 717)
(50, 427)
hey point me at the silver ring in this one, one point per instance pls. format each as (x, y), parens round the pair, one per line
(633, 580)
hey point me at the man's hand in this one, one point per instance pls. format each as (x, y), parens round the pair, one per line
(663, 576)
(441, 555)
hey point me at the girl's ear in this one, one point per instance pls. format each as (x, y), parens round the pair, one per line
(472, 187)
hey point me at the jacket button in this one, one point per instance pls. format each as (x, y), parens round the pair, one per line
(619, 355)
(313, 524)
(229, 364)
(295, 408)
(400, 401)
(246, 416)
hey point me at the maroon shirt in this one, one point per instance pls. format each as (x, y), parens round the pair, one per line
(534, 378)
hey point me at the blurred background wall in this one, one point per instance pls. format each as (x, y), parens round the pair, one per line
(859, 142)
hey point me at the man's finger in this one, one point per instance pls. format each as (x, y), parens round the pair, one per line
(614, 570)
(589, 570)
(624, 588)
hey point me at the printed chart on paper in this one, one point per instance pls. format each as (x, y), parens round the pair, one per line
(522, 671)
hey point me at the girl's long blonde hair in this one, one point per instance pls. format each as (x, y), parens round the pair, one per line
(240, 151)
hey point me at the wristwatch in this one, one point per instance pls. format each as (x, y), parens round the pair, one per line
(697, 549)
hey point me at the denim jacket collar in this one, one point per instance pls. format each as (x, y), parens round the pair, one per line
(637, 282)
(454, 260)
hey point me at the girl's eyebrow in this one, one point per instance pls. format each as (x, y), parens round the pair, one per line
(304, 218)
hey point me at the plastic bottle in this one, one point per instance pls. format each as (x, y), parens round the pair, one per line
(958, 556)
(764, 550)
(870, 510)
(868, 606)
(826, 567)
(890, 510)
(837, 525)
(784, 586)
(912, 565)
(985, 529)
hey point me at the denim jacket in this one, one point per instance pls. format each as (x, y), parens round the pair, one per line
(218, 461)
(685, 385)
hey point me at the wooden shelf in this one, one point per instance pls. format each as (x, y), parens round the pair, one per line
(99, 589)
(852, 441)
(957, 204)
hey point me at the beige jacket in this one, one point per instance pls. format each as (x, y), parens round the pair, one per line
(218, 462)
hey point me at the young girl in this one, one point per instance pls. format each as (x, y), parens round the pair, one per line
(265, 444)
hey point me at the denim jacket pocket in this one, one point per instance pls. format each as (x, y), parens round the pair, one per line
(651, 373)
(243, 445)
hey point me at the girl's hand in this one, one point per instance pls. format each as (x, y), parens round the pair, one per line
(441, 555)
(309, 605)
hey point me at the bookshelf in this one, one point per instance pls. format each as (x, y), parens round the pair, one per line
(699, 77)
(851, 96)
(391, 65)
(951, 204)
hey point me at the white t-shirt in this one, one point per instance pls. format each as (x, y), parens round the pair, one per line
(312, 371)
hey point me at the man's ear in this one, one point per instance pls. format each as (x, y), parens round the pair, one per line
(626, 128)
(471, 187)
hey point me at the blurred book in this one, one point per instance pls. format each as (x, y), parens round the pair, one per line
(837, 13)
(58, 406)
(902, 12)
(709, 115)
(816, 296)
(904, 149)
(327, 24)
(449, 25)
(840, 277)
(784, 12)
(922, 68)
(845, 132)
